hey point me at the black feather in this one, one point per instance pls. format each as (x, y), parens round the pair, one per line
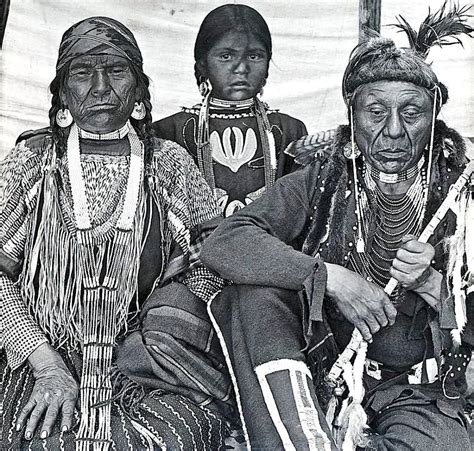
(440, 28)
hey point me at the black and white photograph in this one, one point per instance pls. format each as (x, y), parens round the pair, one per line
(236, 225)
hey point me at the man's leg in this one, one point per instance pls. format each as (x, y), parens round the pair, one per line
(263, 331)
(419, 426)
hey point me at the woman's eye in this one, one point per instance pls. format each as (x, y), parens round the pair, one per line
(81, 72)
(117, 70)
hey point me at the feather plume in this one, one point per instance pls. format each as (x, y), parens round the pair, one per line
(440, 28)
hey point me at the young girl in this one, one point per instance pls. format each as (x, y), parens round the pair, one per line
(235, 139)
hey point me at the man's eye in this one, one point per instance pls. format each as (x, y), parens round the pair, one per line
(225, 56)
(255, 57)
(411, 114)
(377, 113)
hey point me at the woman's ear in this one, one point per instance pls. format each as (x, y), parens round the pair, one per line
(62, 97)
(138, 94)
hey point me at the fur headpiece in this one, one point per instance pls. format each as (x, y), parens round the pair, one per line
(380, 59)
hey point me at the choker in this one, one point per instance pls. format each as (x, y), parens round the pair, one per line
(116, 134)
(399, 176)
(226, 104)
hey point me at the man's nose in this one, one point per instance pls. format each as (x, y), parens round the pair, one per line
(393, 126)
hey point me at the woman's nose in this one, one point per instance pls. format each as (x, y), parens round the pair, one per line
(101, 83)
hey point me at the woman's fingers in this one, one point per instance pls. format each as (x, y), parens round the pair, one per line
(50, 418)
(34, 419)
(29, 406)
(67, 414)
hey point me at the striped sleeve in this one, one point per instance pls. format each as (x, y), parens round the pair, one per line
(19, 184)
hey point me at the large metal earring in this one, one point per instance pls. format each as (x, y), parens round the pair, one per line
(204, 86)
(64, 118)
(139, 111)
(351, 150)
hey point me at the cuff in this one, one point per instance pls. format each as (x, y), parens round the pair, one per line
(314, 287)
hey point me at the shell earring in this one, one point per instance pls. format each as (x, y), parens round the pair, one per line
(64, 118)
(139, 111)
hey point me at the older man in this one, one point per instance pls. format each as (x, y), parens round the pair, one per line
(309, 262)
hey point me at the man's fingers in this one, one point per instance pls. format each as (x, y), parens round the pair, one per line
(365, 332)
(34, 420)
(50, 419)
(390, 311)
(67, 414)
(373, 324)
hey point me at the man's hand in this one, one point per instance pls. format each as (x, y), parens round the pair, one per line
(362, 303)
(412, 268)
(55, 391)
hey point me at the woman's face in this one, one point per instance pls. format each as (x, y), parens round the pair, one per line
(236, 65)
(392, 124)
(100, 92)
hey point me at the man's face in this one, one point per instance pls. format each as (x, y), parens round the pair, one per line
(392, 124)
(100, 92)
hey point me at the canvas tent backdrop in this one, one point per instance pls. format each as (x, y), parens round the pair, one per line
(311, 45)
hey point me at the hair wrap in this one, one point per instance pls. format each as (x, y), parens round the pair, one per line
(98, 36)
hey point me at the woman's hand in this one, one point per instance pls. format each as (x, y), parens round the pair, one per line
(412, 268)
(55, 391)
(362, 303)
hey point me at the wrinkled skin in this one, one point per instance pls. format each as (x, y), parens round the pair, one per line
(362, 303)
(236, 66)
(54, 394)
(100, 92)
(392, 124)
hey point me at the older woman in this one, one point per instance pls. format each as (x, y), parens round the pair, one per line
(310, 259)
(95, 214)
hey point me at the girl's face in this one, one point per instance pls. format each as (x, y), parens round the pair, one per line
(236, 65)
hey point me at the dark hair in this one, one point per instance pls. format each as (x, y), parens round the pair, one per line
(142, 127)
(228, 18)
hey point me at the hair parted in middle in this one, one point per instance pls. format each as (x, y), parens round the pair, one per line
(225, 19)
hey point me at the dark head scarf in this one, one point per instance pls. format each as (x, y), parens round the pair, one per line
(98, 36)
(379, 59)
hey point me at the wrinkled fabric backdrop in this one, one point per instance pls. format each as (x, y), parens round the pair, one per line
(312, 40)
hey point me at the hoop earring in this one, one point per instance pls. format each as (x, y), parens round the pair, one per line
(64, 118)
(204, 86)
(139, 111)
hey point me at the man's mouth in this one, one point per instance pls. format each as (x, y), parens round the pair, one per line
(240, 84)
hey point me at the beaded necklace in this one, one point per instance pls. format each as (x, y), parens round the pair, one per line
(396, 217)
(108, 271)
(204, 150)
